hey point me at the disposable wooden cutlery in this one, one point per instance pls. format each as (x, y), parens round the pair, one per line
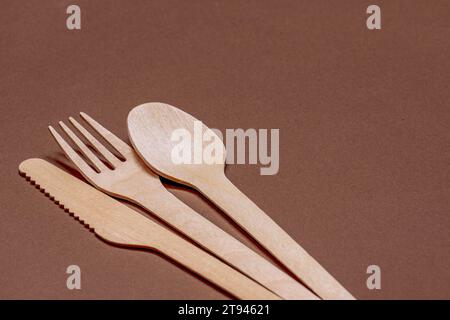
(151, 127)
(118, 224)
(130, 179)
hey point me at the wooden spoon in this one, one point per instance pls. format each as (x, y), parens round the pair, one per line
(151, 127)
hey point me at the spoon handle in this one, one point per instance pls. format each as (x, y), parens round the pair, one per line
(272, 237)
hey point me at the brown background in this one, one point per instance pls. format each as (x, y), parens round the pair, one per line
(364, 132)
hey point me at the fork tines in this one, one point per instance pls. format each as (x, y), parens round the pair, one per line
(120, 147)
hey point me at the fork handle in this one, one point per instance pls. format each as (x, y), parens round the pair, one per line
(267, 233)
(212, 238)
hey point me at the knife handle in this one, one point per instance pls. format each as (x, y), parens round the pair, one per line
(150, 235)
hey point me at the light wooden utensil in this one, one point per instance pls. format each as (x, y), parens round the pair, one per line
(118, 224)
(132, 180)
(153, 130)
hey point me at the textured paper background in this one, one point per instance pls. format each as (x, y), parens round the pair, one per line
(364, 126)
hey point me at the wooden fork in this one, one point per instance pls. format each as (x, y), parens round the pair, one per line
(130, 179)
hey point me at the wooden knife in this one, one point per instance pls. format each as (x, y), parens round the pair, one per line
(118, 224)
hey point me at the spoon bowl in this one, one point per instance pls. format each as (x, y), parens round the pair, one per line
(175, 144)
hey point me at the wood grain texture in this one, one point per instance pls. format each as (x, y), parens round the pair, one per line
(118, 224)
(151, 127)
(132, 180)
